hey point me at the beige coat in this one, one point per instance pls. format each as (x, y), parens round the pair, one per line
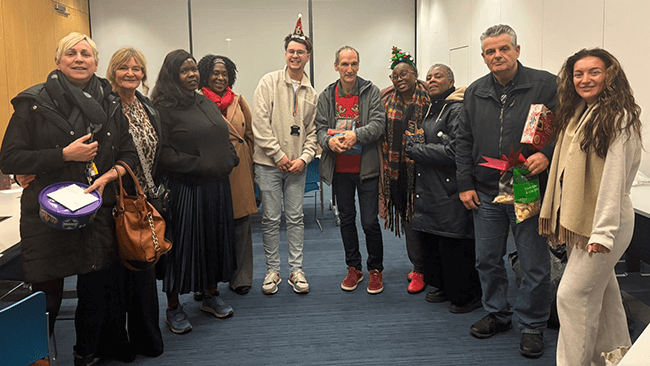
(239, 118)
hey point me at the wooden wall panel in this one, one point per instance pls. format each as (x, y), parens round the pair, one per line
(79, 5)
(77, 21)
(30, 31)
(4, 94)
(28, 41)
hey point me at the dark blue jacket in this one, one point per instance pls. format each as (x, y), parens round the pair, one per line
(485, 132)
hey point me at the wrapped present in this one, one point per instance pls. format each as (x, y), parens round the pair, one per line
(538, 130)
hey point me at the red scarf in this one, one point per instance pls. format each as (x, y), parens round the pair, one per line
(221, 102)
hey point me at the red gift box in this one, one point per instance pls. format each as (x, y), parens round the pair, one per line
(538, 130)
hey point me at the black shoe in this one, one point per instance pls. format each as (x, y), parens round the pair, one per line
(531, 345)
(488, 326)
(435, 295)
(198, 296)
(466, 307)
(241, 290)
(89, 360)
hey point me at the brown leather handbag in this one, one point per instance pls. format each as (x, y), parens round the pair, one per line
(139, 228)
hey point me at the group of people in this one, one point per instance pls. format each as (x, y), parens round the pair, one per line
(412, 152)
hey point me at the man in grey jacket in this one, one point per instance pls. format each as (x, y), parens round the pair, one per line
(349, 120)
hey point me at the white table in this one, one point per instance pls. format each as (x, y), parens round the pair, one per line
(10, 228)
(639, 354)
(641, 200)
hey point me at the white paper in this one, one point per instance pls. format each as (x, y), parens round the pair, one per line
(72, 197)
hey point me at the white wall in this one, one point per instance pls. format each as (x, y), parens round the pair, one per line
(154, 30)
(256, 30)
(548, 31)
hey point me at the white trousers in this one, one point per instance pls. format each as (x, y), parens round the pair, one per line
(590, 308)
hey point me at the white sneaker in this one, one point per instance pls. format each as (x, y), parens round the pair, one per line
(299, 283)
(271, 281)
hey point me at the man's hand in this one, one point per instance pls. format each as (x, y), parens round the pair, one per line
(349, 139)
(284, 164)
(536, 163)
(469, 199)
(23, 180)
(78, 150)
(337, 144)
(297, 166)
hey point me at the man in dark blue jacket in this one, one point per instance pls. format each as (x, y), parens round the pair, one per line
(491, 124)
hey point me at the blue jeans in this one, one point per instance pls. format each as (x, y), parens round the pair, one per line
(532, 306)
(277, 186)
(344, 186)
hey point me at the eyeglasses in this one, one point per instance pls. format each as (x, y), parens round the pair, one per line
(401, 75)
(299, 52)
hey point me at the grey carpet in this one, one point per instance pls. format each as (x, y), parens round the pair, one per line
(328, 326)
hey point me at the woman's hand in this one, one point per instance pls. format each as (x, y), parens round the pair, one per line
(78, 150)
(597, 248)
(23, 180)
(100, 183)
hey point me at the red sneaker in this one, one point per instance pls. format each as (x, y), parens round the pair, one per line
(376, 283)
(417, 283)
(352, 279)
(409, 276)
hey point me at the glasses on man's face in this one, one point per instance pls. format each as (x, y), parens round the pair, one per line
(299, 52)
(401, 75)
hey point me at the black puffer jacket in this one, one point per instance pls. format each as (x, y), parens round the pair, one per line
(33, 144)
(438, 210)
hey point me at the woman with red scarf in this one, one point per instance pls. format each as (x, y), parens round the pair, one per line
(219, 75)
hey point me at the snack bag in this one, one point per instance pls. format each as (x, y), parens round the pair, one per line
(538, 129)
(506, 195)
(526, 192)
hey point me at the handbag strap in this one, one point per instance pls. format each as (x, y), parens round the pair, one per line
(135, 179)
(146, 168)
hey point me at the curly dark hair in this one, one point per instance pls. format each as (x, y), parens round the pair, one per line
(168, 91)
(206, 64)
(617, 110)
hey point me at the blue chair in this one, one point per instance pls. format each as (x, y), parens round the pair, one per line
(313, 183)
(23, 331)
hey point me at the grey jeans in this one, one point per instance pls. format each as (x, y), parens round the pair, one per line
(277, 186)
